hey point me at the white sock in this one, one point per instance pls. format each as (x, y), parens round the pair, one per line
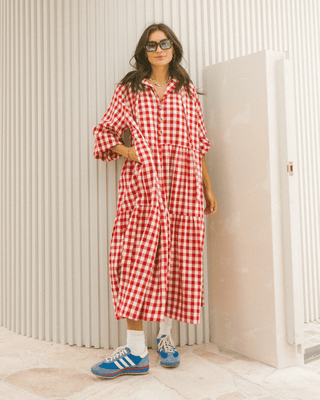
(136, 342)
(165, 327)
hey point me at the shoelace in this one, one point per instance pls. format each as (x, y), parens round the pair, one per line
(120, 351)
(166, 343)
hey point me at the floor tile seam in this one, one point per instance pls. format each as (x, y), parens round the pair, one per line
(257, 384)
(223, 354)
(235, 375)
(271, 372)
(50, 347)
(12, 371)
(21, 356)
(169, 387)
(238, 390)
(218, 365)
(253, 382)
(154, 377)
(19, 389)
(271, 392)
(245, 394)
(97, 382)
(24, 360)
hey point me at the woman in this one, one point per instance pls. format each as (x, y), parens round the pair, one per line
(157, 240)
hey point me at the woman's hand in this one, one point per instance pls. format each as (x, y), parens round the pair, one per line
(128, 152)
(211, 202)
(132, 154)
(104, 156)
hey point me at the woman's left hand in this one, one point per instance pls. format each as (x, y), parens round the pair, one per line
(211, 202)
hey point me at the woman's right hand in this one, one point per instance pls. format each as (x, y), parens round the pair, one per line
(128, 152)
(132, 154)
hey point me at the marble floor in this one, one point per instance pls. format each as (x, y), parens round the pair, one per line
(312, 334)
(33, 370)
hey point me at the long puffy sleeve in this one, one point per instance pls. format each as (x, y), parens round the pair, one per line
(108, 132)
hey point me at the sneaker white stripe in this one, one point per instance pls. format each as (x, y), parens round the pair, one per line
(118, 365)
(130, 361)
(123, 362)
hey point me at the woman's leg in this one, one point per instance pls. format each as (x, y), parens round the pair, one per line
(165, 327)
(134, 325)
(135, 337)
(165, 345)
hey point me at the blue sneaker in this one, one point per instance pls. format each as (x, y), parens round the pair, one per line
(122, 362)
(169, 355)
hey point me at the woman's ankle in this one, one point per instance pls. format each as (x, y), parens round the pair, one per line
(134, 325)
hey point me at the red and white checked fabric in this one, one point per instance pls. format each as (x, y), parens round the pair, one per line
(157, 240)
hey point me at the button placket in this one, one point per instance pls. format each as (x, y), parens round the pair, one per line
(160, 119)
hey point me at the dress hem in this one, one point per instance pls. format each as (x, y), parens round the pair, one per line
(155, 319)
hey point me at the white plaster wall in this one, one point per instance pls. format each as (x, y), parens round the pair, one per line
(246, 269)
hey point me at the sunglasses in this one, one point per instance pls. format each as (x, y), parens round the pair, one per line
(165, 44)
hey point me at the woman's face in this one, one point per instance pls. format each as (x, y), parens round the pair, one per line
(159, 57)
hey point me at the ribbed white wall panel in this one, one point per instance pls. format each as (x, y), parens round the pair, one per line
(60, 61)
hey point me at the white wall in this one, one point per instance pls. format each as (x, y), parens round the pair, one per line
(251, 238)
(60, 61)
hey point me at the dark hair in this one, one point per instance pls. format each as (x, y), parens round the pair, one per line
(143, 68)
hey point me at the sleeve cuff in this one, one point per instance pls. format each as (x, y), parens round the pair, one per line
(204, 146)
(102, 147)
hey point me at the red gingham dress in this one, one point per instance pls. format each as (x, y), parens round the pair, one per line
(157, 240)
